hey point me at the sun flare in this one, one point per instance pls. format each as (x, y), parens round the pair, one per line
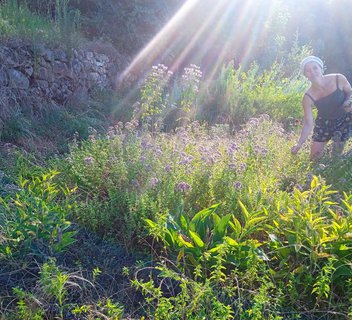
(207, 33)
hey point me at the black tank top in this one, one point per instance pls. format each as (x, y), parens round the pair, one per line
(330, 106)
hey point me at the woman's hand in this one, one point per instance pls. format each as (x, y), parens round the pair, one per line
(347, 105)
(296, 148)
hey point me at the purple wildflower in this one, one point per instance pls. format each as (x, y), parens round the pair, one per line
(154, 182)
(237, 185)
(232, 148)
(232, 166)
(88, 160)
(183, 186)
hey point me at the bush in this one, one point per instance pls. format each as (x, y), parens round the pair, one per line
(33, 220)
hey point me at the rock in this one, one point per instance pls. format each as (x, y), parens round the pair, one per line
(34, 76)
(28, 70)
(4, 78)
(17, 79)
(61, 69)
(44, 74)
(76, 66)
(61, 55)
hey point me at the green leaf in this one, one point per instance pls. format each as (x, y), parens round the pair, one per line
(180, 255)
(343, 271)
(170, 237)
(231, 241)
(186, 243)
(201, 222)
(244, 211)
(201, 215)
(314, 183)
(151, 223)
(8, 250)
(236, 226)
(221, 227)
(254, 221)
(184, 222)
(197, 240)
(192, 259)
(215, 249)
(67, 240)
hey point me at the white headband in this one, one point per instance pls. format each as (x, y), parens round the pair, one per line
(311, 59)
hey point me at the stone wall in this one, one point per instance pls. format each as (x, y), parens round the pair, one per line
(35, 77)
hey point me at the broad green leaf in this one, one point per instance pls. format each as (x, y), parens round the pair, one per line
(236, 226)
(244, 211)
(216, 219)
(184, 222)
(273, 237)
(169, 237)
(221, 227)
(197, 240)
(284, 252)
(185, 242)
(344, 270)
(314, 183)
(201, 221)
(215, 249)
(201, 215)
(292, 239)
(151, 223)
(192, 259)
(171, 223)
(254, 221)
(231, 241)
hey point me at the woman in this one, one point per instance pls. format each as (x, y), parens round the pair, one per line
(330, 94)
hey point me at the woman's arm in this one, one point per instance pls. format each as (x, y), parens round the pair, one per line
(347, 89)
(308, 122)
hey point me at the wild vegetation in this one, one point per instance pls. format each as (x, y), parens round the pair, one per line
(193, 208)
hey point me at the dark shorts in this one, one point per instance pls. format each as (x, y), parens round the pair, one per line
(339, 130)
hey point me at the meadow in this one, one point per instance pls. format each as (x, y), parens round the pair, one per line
(193, 208)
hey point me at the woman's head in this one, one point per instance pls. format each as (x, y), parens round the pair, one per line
(311, 61)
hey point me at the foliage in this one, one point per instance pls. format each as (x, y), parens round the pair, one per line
(194, 301)
(51, 131)
(131, 175)
(236, 95)
(211, 243)
(277, 244)
(304, 253)
(152, 92)
(50, 296)
(127, 24)
(166, 98)
(189, 86)
(239, 94)
(18, 20)
(35, 218)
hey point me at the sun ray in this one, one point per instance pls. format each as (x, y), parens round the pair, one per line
(206, 36)
(162, 41)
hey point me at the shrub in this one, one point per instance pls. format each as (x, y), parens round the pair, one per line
(34, 220)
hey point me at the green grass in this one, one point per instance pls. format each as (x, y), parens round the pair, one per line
(18, 21)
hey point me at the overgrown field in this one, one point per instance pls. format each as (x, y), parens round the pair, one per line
(231, 226)
(192, 208)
